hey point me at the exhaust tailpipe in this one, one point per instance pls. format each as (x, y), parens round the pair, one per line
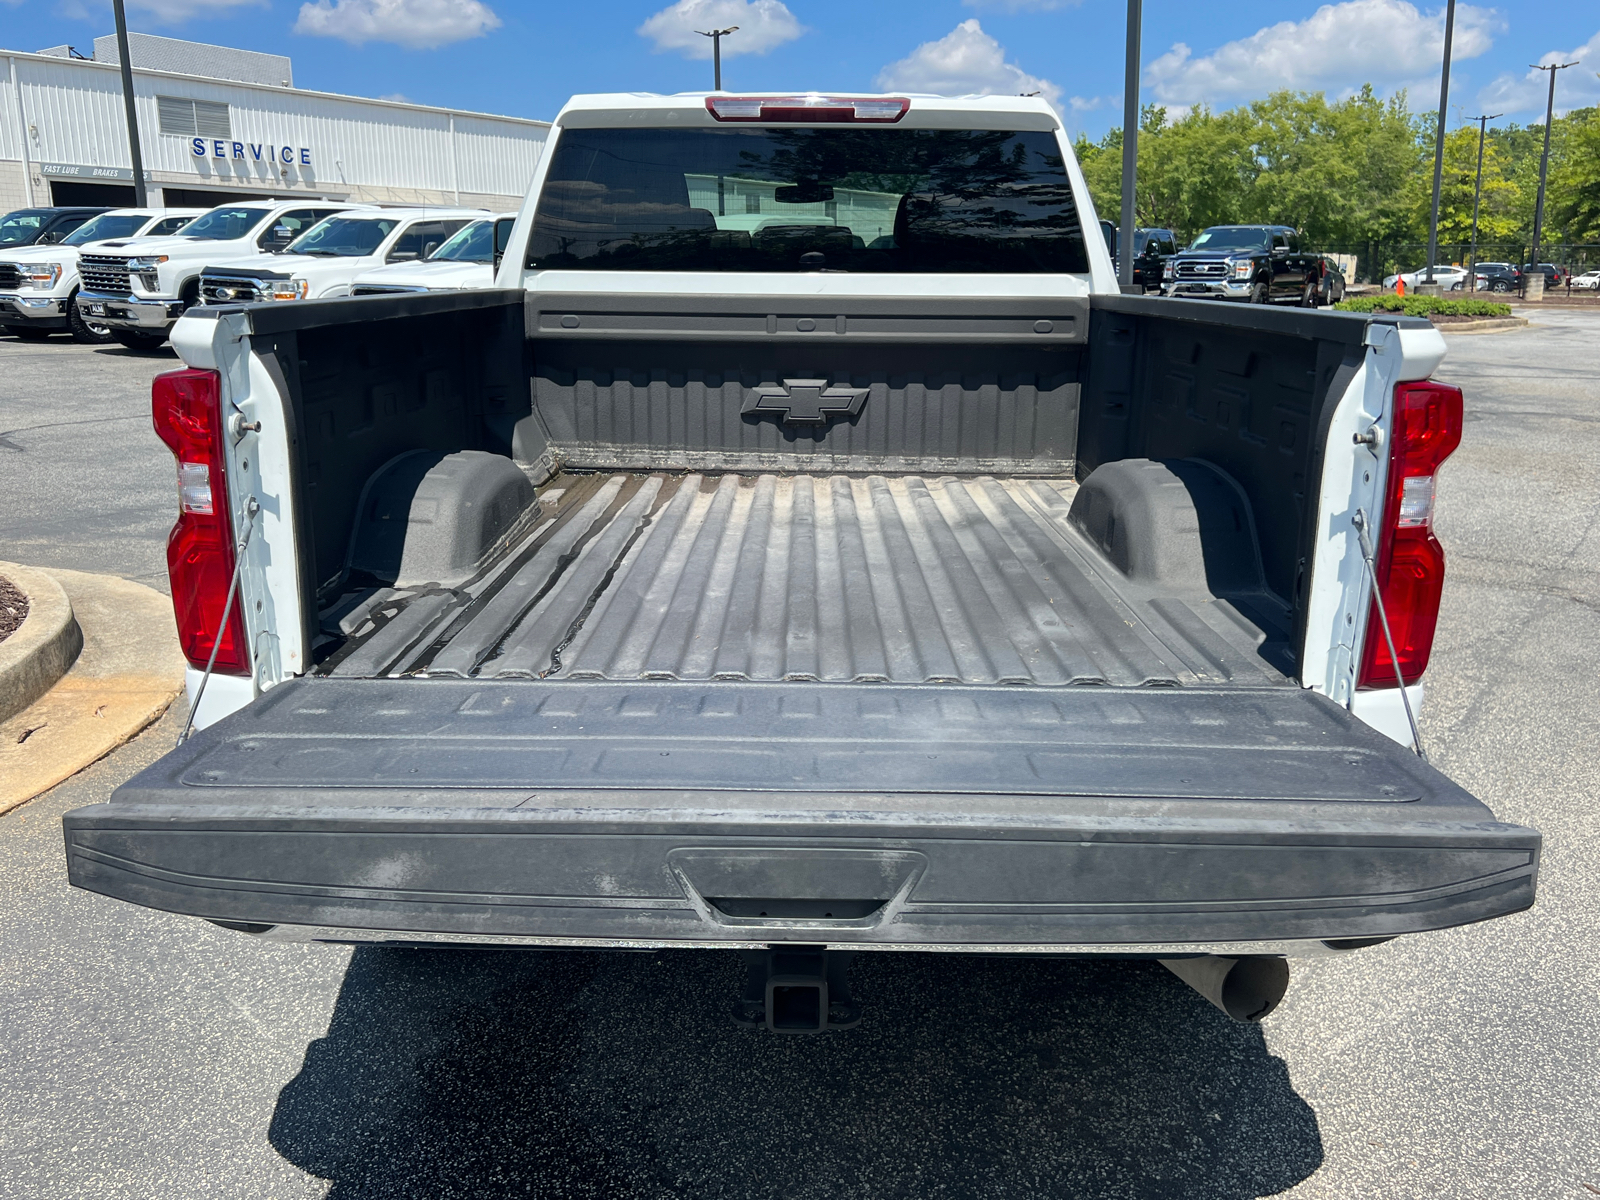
(1247, 989)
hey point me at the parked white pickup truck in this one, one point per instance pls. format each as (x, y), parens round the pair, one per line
(322, 262)
(467, 260)
(139, 291)
(869, 577)
(39, 283)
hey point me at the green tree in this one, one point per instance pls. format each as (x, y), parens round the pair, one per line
(1340, 172)
(1573, 203)
(1500, 207)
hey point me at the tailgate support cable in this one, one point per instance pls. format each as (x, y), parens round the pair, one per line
(1362, 525)
(251, 508)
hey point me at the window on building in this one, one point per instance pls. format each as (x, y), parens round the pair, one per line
(183, 117)
(752, 203)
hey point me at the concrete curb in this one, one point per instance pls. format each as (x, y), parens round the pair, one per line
(43, 647)
(1487, 325)
(129, 671)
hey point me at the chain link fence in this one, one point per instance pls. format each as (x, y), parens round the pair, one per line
(1371, 262)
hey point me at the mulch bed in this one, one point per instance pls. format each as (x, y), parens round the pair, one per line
(13, 608)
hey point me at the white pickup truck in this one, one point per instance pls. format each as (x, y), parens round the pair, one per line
(138, 292)
(323, 261)
(805, 551)
(467, 260)
(39, 284)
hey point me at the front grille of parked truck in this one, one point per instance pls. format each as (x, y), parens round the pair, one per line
(229, 289)
(101, 273)
(1201, 270)
(10, 277)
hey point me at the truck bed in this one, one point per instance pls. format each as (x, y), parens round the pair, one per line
(902, 579)
(724, 678)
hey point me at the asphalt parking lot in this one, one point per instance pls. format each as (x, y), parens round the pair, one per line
(144, 1055)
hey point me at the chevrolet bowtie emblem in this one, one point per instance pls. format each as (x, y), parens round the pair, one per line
(808, 400)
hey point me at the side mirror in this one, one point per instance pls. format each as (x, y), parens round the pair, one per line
(502, 239)
(429, 247)
(49, 238)
(1280, 252)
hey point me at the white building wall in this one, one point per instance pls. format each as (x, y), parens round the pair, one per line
(360, 149)
(10, 120)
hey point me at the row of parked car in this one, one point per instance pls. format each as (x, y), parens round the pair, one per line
(127, 274)
(1495, 277)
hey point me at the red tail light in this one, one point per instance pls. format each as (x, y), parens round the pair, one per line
(810, 110)
(186, 408)
(1410, 561)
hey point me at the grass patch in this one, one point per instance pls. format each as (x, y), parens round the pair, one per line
(1424, 306)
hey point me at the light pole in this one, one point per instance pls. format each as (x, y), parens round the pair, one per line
(716, 36)
(139, 196)
(1130, 146)
(1438, 141)
(1544, 161)
(1477, 194)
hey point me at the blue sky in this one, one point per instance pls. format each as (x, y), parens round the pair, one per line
(524, 57)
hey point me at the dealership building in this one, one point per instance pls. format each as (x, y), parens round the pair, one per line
(218, 125)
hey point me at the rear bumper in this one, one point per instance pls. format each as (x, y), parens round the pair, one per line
(131, 312)
(668, 814)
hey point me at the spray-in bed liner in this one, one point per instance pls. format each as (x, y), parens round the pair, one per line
(904, 579)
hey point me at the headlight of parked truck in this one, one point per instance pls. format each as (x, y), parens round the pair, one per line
(40, 276)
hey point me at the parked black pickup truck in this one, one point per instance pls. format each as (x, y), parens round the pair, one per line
(1152, 248)
(1254, 263)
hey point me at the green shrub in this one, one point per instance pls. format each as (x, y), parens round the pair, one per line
(1423, 306)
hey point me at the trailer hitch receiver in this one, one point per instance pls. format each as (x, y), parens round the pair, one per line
(797, 989)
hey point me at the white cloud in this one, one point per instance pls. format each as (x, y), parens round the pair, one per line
(966, 61)
(1577, 87)
(1388, 43)
(763, 25)
(1016, 6)
(415, 24)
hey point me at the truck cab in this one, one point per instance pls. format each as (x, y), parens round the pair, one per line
(468, 260)
(41, 226)
(1152, 248)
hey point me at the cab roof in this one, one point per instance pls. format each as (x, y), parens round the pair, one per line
(688, 110)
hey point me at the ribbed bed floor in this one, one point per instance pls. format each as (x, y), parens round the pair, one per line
(904, 579)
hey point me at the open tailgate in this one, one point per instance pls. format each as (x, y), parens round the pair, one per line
(666, 812)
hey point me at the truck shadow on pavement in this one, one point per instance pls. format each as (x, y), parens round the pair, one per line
(467, 1072)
